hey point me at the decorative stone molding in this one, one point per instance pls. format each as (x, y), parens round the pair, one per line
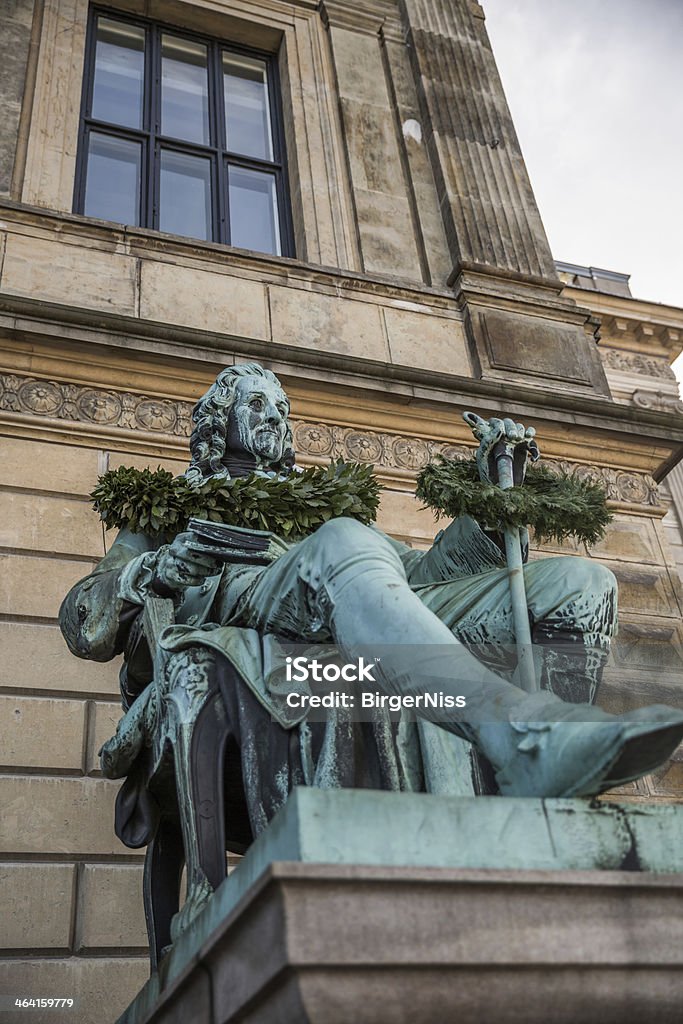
(347, 14)
(634, 362)
(657, 400)
(94, 405)
(391, 451)
(622, 486)
(627, 328)
(411, 453)
(123, 410)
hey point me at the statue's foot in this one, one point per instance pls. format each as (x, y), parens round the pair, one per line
(578, 757)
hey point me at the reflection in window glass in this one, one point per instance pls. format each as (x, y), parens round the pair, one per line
(253, 210)
(112, 188)
(247, 113)
(119, 73)
(184, 90)
(185, 195)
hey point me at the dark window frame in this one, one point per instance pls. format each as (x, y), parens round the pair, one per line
(152, 141)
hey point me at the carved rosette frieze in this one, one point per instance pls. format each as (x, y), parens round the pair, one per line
(622, 486)
(389, 452)
(94, 405)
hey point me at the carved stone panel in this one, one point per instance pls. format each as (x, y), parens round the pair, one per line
(635, 363)
(535, 346)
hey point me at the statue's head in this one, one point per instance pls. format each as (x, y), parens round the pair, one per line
(243, 414)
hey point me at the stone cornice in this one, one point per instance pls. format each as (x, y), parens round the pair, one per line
(626, 306)
(395, 455)
(633, 334)
(632, 324)
(37, 319)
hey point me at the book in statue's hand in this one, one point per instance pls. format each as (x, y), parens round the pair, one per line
(237, 543)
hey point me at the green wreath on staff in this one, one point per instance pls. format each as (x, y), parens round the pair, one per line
(158, 503)
(555, 505)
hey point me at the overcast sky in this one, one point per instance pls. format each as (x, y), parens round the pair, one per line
(596, 92)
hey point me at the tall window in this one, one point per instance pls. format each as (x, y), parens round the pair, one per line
(182, 134)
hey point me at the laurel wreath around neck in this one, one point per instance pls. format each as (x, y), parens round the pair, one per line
(157, 503)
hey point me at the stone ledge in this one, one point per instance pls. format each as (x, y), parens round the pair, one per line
(145, 243)
(422, 945)
(424, 830)
(357, 891)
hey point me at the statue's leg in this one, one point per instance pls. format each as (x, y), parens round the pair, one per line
(573, 602)
(572, 610)
(164, 862)
(186, 687)
(348, 582)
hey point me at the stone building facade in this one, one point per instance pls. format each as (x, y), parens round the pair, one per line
(638, 342)
(419, 283)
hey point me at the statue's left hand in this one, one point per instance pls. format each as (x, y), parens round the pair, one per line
(518, 440)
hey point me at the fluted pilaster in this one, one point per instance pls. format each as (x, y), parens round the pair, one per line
(489, 210)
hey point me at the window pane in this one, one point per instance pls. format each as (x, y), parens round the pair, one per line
(185, 195)
(119, 73)
(253, 211)
(247, 112)
(112, 188)
(184, 90)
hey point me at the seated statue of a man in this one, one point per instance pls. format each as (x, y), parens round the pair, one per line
(350, 584)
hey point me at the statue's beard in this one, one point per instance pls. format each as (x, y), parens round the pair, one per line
(264, 441)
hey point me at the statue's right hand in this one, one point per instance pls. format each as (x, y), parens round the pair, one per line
(185, 562)
(518, 441)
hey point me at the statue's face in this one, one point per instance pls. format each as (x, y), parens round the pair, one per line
(257, 423)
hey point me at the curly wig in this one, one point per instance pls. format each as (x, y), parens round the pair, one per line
(210, 420)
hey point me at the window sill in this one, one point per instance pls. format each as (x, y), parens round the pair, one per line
(148, 243)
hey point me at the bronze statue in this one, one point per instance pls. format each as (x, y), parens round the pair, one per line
(352, 585)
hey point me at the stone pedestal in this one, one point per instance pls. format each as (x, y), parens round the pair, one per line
(383, 907)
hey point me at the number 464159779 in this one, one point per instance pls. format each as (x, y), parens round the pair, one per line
(49, 1003)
